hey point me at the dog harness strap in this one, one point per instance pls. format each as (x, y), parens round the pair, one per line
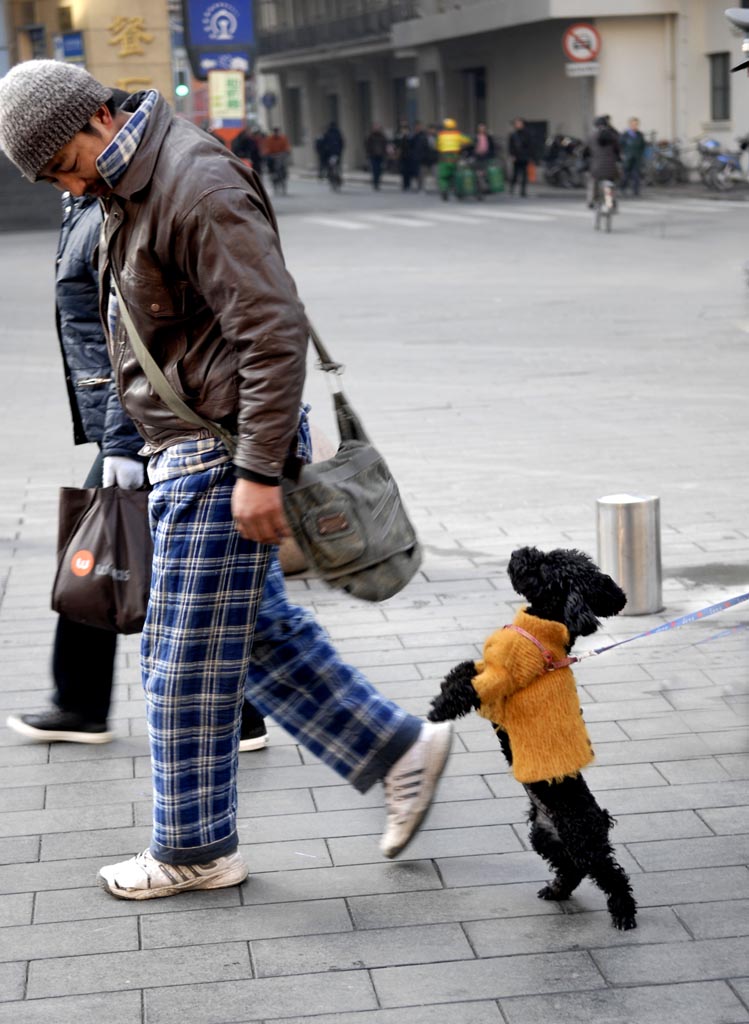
(548, 657)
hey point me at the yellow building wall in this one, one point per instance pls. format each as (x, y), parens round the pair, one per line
(636, 76)
(127, 42)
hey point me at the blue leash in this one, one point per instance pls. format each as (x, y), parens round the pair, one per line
(703, 613)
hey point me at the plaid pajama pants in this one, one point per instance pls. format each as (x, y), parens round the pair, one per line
(211, 590)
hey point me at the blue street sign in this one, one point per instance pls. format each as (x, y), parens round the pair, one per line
(224, 62)
(72, 46)
(220, 22)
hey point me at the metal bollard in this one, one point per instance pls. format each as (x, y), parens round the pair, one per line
(629, 549)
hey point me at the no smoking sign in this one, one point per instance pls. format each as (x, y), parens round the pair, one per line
(581, 43)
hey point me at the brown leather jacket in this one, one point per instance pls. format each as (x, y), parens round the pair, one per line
(193, 243)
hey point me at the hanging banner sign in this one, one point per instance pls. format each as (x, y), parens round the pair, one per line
(226, 98)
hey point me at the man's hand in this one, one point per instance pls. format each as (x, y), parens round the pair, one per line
(125, 473)
(258, 512)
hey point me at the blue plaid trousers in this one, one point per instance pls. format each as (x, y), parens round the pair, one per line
(212, 594)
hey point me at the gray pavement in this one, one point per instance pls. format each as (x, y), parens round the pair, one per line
(513, 366)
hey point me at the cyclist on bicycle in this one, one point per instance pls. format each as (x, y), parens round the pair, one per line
(332, 148)
(276, 150)
(602, 152)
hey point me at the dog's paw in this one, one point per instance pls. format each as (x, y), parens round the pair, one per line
(623, 910)
(624, 922)
(551, 892)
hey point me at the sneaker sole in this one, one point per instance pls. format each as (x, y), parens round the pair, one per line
(222, 881)
(436, 766)
(52, 735)
(257, 743)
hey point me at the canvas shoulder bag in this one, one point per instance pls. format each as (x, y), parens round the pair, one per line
(346, 512)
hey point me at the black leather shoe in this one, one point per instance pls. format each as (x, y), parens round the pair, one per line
(253, 735)
(55, 725)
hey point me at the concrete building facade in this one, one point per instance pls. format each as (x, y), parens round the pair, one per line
(124, 43)
(357, 61)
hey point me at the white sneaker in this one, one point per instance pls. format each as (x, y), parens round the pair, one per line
(411, 783)
(145, 878)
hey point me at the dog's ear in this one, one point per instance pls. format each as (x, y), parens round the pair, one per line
(524, 572)
(606, 597)
(578, 615)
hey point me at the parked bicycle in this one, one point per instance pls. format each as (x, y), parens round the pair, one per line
(725, 169)
(663, 163)
(564, 166)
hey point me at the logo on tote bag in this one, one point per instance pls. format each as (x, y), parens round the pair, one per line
(82, 563)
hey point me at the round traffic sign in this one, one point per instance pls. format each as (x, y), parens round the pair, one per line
(581, 43)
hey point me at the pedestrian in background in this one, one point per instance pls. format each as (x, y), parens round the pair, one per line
(421, 153)
(245, 147)
(521, 150)
(450, 144)
(375, 146)
(484, 150)
(403, 143)
(193, 238)
(632, 143)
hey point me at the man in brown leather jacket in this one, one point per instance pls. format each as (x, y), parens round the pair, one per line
(190, 241)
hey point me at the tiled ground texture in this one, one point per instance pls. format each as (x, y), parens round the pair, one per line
(552, 367)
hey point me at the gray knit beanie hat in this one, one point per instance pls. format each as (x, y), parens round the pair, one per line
(43, 104)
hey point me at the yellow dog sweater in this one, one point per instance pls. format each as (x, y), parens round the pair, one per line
(538, 709)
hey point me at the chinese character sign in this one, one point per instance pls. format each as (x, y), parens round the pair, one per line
(226, 96)
(129, 34)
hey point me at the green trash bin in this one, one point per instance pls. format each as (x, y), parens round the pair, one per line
(495, 177)
(465, 181)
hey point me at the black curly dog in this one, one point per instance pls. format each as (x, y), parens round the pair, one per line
(567, 827)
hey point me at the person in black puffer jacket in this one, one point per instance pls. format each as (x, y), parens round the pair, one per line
(602, 154)
(83, 656)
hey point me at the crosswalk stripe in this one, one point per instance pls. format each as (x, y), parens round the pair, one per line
(508, 215)
(407, 221)
(338, 222)
(559, 212)
(680, 207)
(451, 218)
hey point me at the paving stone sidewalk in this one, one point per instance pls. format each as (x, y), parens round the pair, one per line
(325, 932)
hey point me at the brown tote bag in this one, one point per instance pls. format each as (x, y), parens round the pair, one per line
(104, 558)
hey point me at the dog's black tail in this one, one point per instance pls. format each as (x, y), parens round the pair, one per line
(457, 696)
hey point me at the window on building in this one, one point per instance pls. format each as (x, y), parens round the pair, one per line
(720, 91)
(364, 90)
(293, 108)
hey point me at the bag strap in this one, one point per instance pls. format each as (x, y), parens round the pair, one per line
(326, 364)
(162, 387)
(349, 424)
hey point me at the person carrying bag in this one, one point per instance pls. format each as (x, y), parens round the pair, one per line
(345, 512)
